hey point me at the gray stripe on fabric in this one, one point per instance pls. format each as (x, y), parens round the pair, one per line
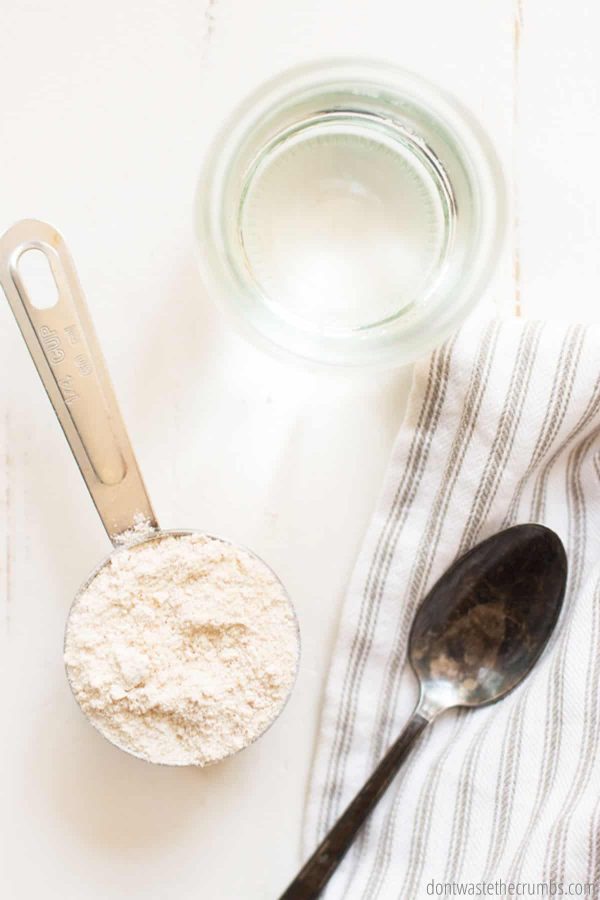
(422, 818)
(502, 444)
(464, 805)
(425, 556)
(478, 378)
(437, 365)
(403, 778)
(540, 491)
(538, 504)
(560, 395)
(556, 849)
(488, 487)
(506, 783)
(552, 729)
(423, 815)
(593, 863)
(418, 454)
(526, 350)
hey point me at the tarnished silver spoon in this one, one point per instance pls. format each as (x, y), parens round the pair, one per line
(477, 634)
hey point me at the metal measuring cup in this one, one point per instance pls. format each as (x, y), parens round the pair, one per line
(65, 351)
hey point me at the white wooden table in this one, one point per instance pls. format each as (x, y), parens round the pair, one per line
(106, 111)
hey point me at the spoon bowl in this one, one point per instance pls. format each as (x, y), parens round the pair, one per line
(483, 625)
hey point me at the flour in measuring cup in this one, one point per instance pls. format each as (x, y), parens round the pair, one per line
(140, 530)
(182, 650)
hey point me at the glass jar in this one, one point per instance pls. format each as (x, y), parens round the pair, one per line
(350, 213)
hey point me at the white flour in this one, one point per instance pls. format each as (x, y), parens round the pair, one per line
(140, 530)
(182, 650)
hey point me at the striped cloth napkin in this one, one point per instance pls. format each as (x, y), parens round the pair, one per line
(502, 427)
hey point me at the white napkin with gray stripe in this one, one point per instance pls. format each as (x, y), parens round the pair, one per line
(502, 427)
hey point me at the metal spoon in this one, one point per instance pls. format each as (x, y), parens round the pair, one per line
(60, 337)
(477, 634)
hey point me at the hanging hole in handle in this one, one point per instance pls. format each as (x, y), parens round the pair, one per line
(37, 277)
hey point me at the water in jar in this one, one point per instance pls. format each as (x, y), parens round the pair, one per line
(346, 221)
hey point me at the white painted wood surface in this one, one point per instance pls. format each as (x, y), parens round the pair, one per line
(106, 111)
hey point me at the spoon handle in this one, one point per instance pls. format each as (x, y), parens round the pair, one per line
(317, 871)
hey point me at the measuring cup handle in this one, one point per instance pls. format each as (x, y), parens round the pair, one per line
(65, 351)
